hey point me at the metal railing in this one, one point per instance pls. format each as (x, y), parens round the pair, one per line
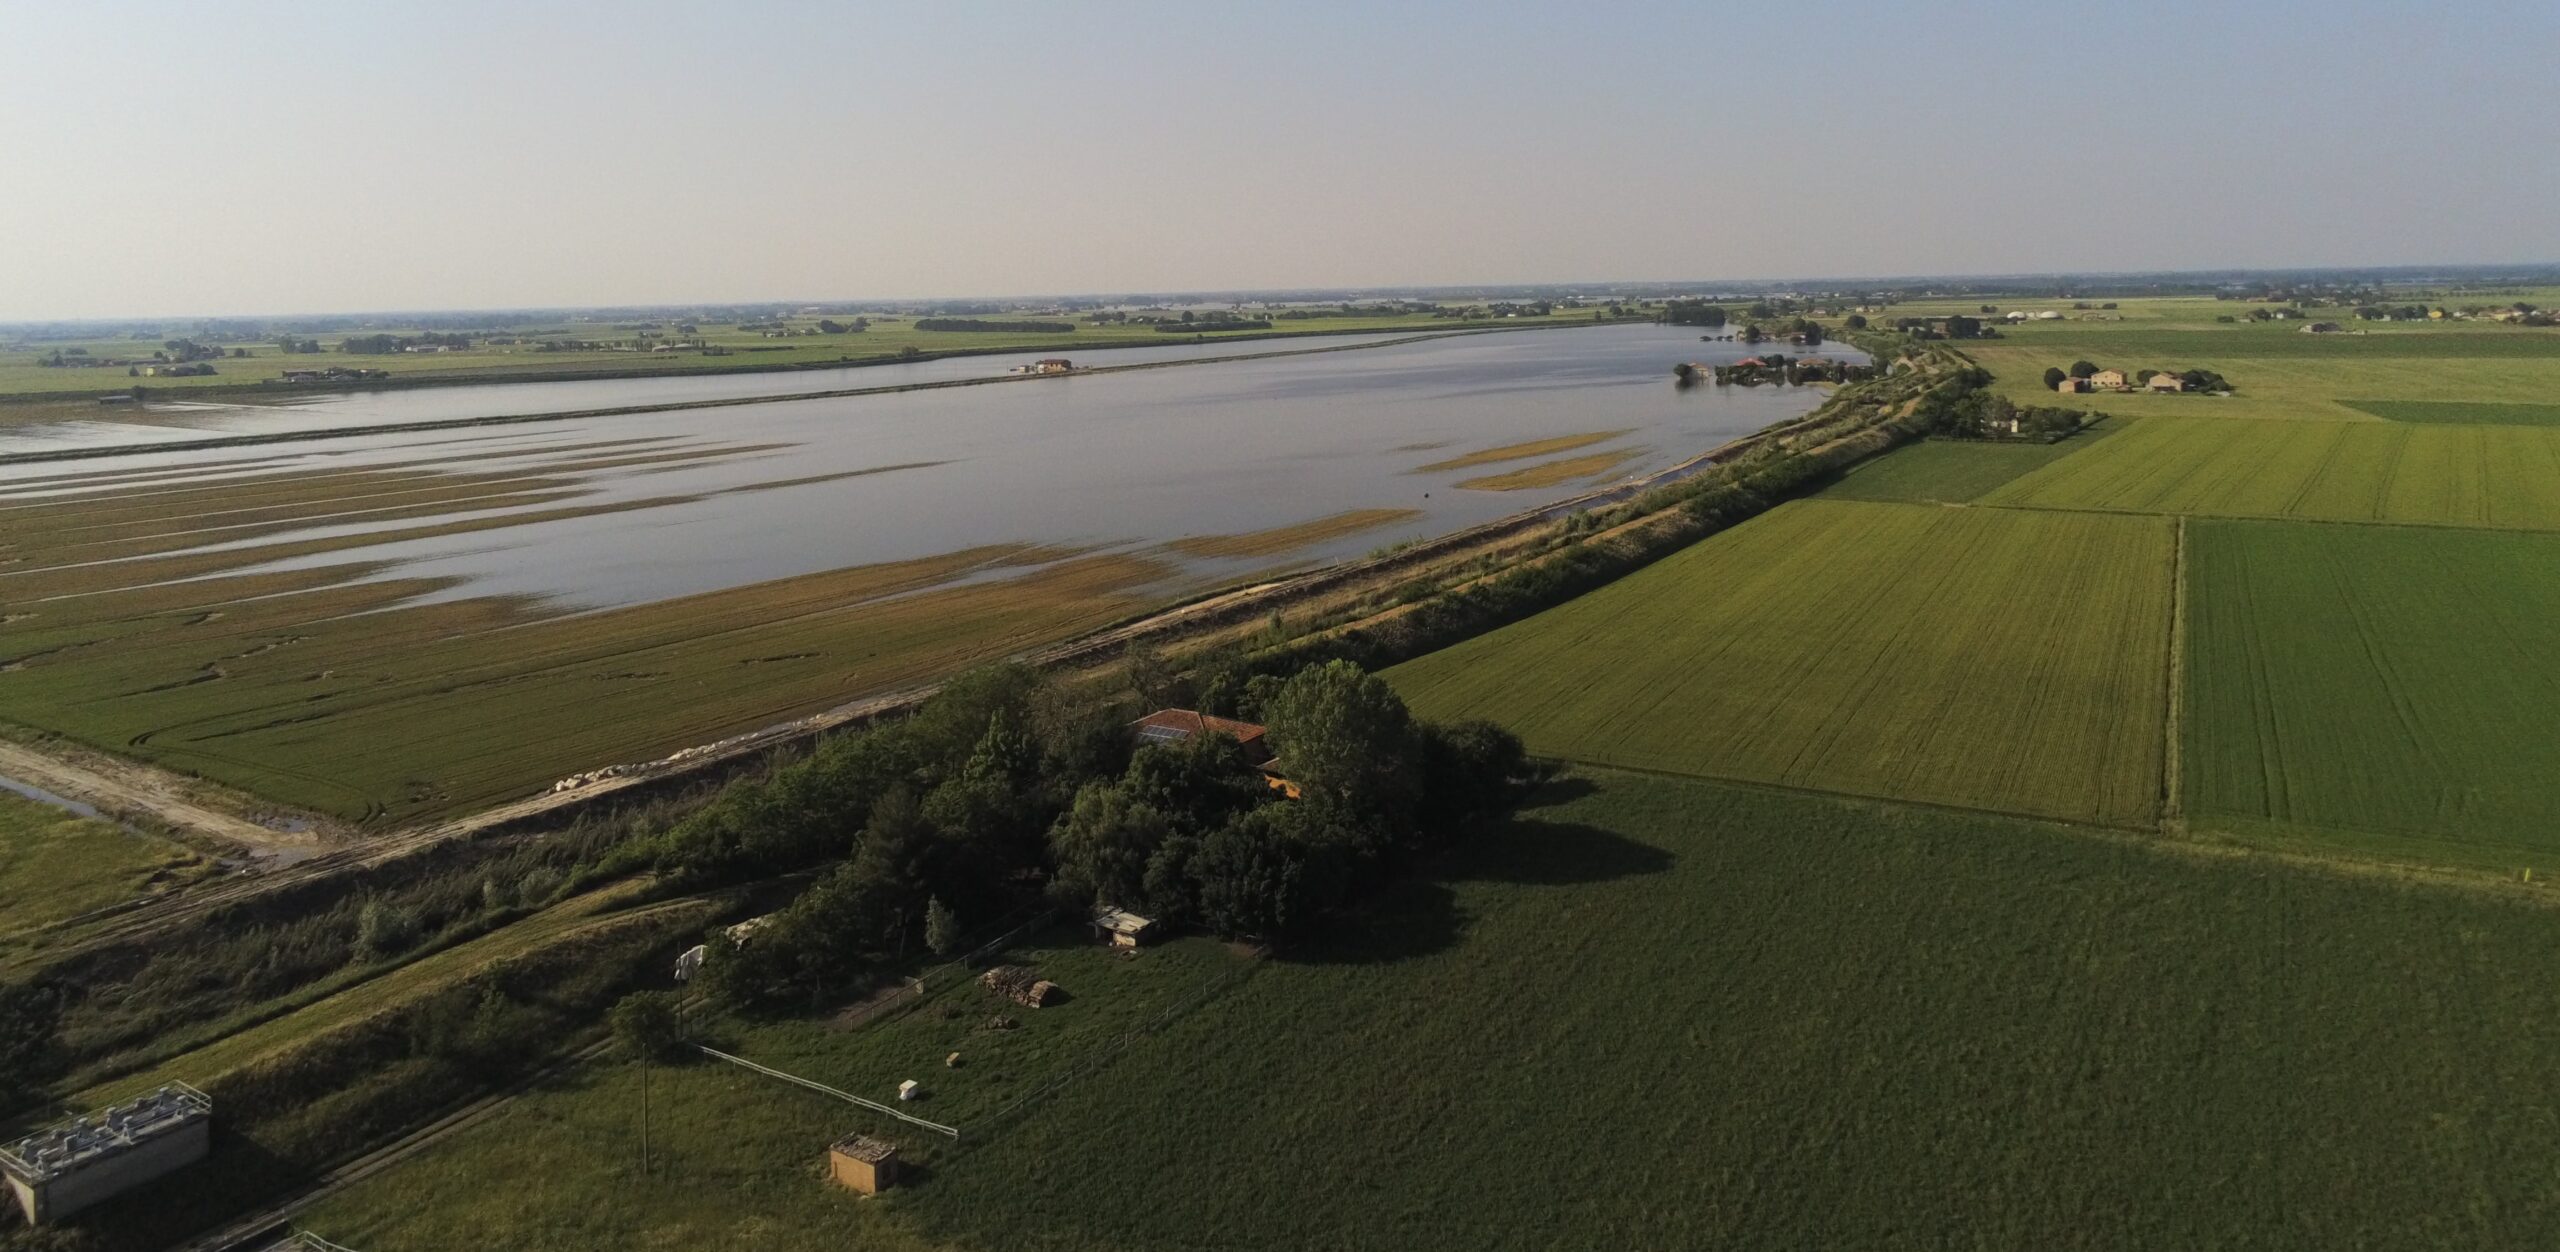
(823, 1089)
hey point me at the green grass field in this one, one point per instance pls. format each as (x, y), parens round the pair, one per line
(1953, 471)
(1667, 1014)
(1988, 658)
(2461, 412)
(2442, 475)
(55, 864)
(2279, 371)
(2389, 689)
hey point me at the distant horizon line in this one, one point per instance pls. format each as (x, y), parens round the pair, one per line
(2510, 270)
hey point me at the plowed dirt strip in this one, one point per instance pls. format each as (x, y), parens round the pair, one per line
(1983, 658)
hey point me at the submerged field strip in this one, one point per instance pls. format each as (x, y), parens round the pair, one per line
(402, 626)
(1993, 659)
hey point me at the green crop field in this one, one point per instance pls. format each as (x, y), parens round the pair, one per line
(1655, 1013)
(1988, 658)
(1953, 471)
(2445, 475)
(2279, 371)
(2461, 412)
(55, 864)
(2381, 688)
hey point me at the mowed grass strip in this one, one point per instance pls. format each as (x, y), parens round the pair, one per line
(1985, 658)
(1953, 471)
(1699, 1017)
(2442, 475)
(56, 864)
(2461, 412)
(2384, 689)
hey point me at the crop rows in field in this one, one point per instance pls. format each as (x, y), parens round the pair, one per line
(1987, 658)
(2351, 680)
(2461, 412)
(1952, 471)
(2450, 475)
(1711, 1017)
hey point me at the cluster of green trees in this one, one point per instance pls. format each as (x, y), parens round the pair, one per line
(1693, 313)
(830, 326)
(1213, 321)
(2194, 379)
(972, 323)
(376, 345)
(1004, 794)
(1193, 834)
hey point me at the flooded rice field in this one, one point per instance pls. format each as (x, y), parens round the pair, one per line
(392, 625)
(619, 510)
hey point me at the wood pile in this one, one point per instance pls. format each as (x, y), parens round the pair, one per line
(1020, 985)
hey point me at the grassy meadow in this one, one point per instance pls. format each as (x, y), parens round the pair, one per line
(2421, 474)
(2381, 688)
(1954, 471)
(55, 864)
(1662, 1013)
(2280, 372)
(1995, 659)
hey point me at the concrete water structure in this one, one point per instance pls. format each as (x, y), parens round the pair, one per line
(61, 1170)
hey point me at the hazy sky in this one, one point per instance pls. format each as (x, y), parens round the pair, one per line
(206, 158)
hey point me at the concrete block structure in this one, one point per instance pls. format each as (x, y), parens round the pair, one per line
(62, 1170)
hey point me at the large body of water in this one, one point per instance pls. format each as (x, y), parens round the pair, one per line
(1123, 462)
(182, 418)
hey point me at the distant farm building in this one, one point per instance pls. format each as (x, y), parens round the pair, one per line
(2166, 382)
(61, 1171)
(862, 1164)
(1124, 928)
(1171, 726)
(2070, 385)
(2108, 380)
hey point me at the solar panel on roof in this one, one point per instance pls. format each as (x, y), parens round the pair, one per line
(1163, 734)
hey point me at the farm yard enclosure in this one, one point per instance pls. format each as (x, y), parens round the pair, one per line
(1907, 1010)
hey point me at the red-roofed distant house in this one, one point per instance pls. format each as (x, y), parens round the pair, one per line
(1171, 726)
